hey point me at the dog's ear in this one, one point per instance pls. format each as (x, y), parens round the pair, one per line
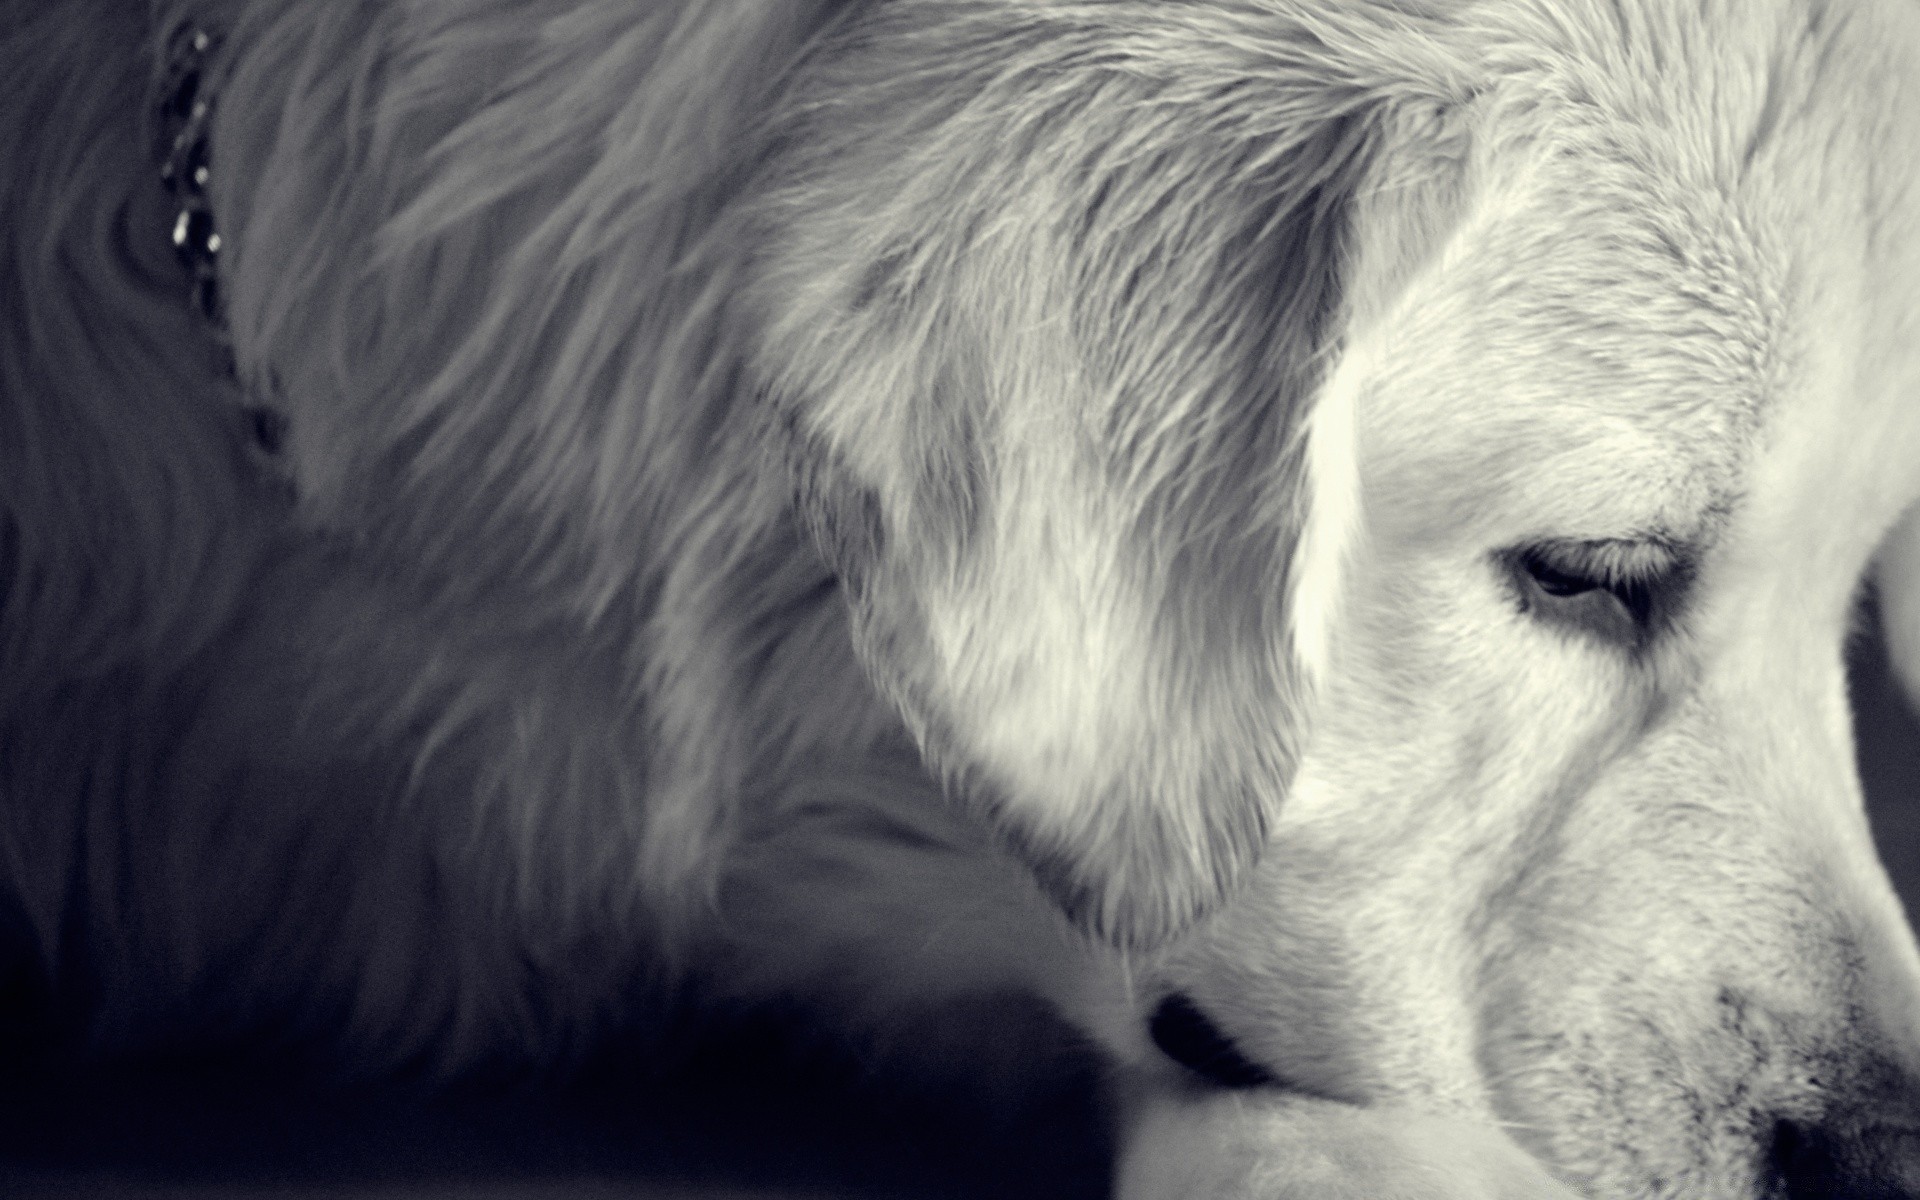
(1897, 576)
(1045, 295)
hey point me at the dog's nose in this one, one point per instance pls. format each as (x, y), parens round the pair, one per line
(1864, 1161)
(1184, 1034)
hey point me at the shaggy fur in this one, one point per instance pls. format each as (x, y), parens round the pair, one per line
(1345, 510)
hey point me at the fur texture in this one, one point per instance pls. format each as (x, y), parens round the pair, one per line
(1347, 511)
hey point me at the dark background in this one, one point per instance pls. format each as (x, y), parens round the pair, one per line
(1889, 749)
(750, 1109)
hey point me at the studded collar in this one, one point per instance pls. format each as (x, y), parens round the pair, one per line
(185, 121)
(186, 117)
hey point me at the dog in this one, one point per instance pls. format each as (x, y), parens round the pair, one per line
(1314, 537)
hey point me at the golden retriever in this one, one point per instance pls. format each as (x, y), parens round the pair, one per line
(1316, 534)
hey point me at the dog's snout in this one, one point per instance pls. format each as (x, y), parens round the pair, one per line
(1858, 1162)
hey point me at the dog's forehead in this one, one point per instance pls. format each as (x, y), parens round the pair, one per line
(1638, 306)
(1570, 363)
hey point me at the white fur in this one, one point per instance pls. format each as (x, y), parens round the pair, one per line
(1334, 516)
(875, 503)
(1238, 1147)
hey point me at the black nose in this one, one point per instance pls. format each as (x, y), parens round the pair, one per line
(1847, 1162)
(1185, 1035)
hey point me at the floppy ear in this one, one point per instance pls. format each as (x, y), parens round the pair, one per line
(1043, 293)
(1897, 575)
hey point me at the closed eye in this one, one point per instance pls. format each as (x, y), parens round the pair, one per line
(1615, 590)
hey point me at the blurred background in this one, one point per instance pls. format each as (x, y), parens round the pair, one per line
(752, 1108)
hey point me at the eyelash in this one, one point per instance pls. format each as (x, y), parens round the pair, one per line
(1589, 588)
(1565, 581)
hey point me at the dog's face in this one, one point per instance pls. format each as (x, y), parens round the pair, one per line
(1576, 843)
(1513, 644)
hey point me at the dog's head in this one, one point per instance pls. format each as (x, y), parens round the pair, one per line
(1434, 453)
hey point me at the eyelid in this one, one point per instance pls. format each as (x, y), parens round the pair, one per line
(1623, 590)
(1614, 561)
